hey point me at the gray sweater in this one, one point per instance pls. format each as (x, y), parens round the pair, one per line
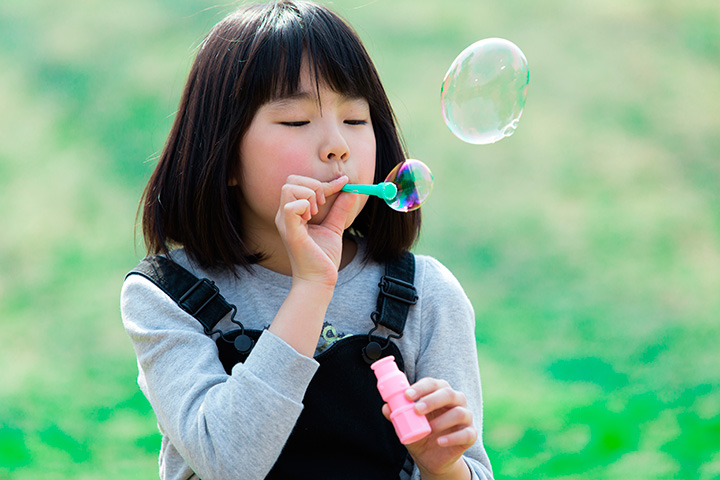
(234, 426)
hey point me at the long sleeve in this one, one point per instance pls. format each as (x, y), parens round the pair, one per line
(223, 426)
(447, 348)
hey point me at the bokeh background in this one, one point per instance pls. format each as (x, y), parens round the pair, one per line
(588, 242)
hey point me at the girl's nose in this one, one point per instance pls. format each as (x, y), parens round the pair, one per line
(335, 147)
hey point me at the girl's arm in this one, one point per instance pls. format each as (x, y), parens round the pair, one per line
(314, 253)
(218, 426)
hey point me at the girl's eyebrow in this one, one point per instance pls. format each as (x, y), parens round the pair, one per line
(305, 96)
(287, 100)
(295, 97)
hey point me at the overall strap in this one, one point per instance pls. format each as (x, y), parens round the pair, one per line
(397, 293)
(200, 298)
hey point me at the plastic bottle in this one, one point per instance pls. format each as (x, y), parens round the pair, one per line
(392, 384)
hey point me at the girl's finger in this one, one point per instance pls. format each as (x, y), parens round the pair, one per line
(465, 436)
(386, 411)
(296, 209)
(424, 387)
(320, 188)
(453, 419)
(292, 192)
(335, 186)
(443, 398)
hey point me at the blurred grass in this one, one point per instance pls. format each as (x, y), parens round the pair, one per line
(589, 242)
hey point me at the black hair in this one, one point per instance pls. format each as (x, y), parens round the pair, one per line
(249, 58)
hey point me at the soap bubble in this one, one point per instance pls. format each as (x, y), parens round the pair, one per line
(484, 91)
(414, 182)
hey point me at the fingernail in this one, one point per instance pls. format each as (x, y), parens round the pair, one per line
(410, 393)
(420, 407)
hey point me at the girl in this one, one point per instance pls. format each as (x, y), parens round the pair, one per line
(282, 108)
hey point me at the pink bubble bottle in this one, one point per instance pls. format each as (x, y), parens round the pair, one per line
(392, 384)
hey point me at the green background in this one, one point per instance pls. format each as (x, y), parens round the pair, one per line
(588, 242)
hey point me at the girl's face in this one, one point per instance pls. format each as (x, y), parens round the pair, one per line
(321, 137)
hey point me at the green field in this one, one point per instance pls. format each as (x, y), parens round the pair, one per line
(588, 242)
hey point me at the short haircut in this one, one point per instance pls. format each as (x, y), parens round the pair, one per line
(249, 58)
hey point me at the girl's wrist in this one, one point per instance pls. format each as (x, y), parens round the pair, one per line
(313, 290)
(300, 318)
(460, 471)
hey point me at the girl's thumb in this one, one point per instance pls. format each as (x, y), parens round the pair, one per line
(338, 215)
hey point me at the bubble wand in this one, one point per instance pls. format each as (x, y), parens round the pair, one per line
(385, 190)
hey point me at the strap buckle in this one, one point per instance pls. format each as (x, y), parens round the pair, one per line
(398, 290)
(200, 283)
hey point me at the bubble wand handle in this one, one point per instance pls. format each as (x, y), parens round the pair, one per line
(392, 384)
(384, 190)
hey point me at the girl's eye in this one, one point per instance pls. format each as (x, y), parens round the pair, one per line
(294, 124)
(356, 122)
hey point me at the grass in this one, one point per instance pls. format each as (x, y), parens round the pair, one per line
(589, 242)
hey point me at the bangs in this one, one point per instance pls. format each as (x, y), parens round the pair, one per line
(294, 33)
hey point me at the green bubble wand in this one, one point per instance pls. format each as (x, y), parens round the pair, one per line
(385, 190)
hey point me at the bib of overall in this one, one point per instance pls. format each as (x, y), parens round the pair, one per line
(341, 430)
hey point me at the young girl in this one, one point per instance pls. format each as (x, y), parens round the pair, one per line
(282, 108)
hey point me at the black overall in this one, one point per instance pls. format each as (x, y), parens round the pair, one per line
(341, 432)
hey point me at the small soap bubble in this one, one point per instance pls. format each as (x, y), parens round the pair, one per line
(414, 182)
(484, 91)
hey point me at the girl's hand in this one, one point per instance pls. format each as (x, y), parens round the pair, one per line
(439, 455)
(314, 250)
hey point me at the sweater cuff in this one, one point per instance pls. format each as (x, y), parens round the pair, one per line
(280, 366)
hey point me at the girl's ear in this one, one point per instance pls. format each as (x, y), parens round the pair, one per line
(232, 181)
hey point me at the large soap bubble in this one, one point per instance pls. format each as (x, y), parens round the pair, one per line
(484, 91)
